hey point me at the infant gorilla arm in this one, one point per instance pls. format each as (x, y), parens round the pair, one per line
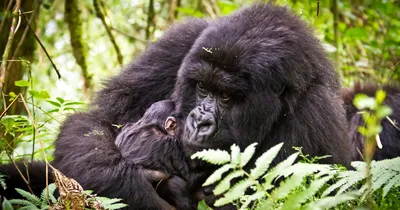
(153, 142)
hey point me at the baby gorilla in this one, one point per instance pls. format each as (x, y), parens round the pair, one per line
(153, 143)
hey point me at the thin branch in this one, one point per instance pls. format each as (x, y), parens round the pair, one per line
(41, 45)
(5, 14)
(130, 36)
(21, 41)
(10, 39)
(100, 15)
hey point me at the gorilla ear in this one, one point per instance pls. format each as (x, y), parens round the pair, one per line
(170, 125)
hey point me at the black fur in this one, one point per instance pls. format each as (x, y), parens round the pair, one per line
(33, 172)
(148, 143)
(281, 85)
(85, 149)
(390, 135)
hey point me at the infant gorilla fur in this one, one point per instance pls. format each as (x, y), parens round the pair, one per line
(153, 143)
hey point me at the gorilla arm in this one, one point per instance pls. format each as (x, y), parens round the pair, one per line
(84, 152)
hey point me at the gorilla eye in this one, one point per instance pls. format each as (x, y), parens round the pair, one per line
(225, 97)
(200, 89)
(200, 85)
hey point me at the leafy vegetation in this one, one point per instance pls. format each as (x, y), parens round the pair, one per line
(361, 37)
(299, 185)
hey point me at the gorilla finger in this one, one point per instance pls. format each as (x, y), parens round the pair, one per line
(155, 176)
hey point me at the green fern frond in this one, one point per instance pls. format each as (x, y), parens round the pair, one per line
(276, 171)
(51, 188)
(235, 192)
(21, 202)
(258, 195)
(29, 208)
(30, 197)
(328, 202)
(111, 203)
(287, 186)
(263, 162)
(217, 174)
(247, 154)
(235, 154)
(294, 200)
(216, 157)
(225, 183)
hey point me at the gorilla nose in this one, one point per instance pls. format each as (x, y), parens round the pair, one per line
(202, 125)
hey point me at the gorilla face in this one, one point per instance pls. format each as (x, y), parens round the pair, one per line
(256, 79)
(156, 132)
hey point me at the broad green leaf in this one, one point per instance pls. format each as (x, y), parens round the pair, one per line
(362, 101)
(380, 96)
(6, 205)
(22, 83)
(61, 100)
(54, 103)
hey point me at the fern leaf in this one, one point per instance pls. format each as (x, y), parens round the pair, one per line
(21, 202)
(347, 179)
(331, 201)
(235, 154)
(108, 201)
(115, 206)
(263, 162)
(51, 188)
(216, 175)
(235, 192)
(305, 169)
(287, 186)
(351, 180)
(359, 165)
(382, 178)
(30, 197)
(394, 182)
(266, 205)
(247, 154)
(256, 196)
(216, 157)
(225, 184)
(294, 201)
(273, 173)
(29, 208)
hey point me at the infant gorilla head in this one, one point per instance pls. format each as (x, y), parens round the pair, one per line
(153, 143)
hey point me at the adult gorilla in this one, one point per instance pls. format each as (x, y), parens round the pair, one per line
(390, 135)
(257, 75)
(260, 76)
